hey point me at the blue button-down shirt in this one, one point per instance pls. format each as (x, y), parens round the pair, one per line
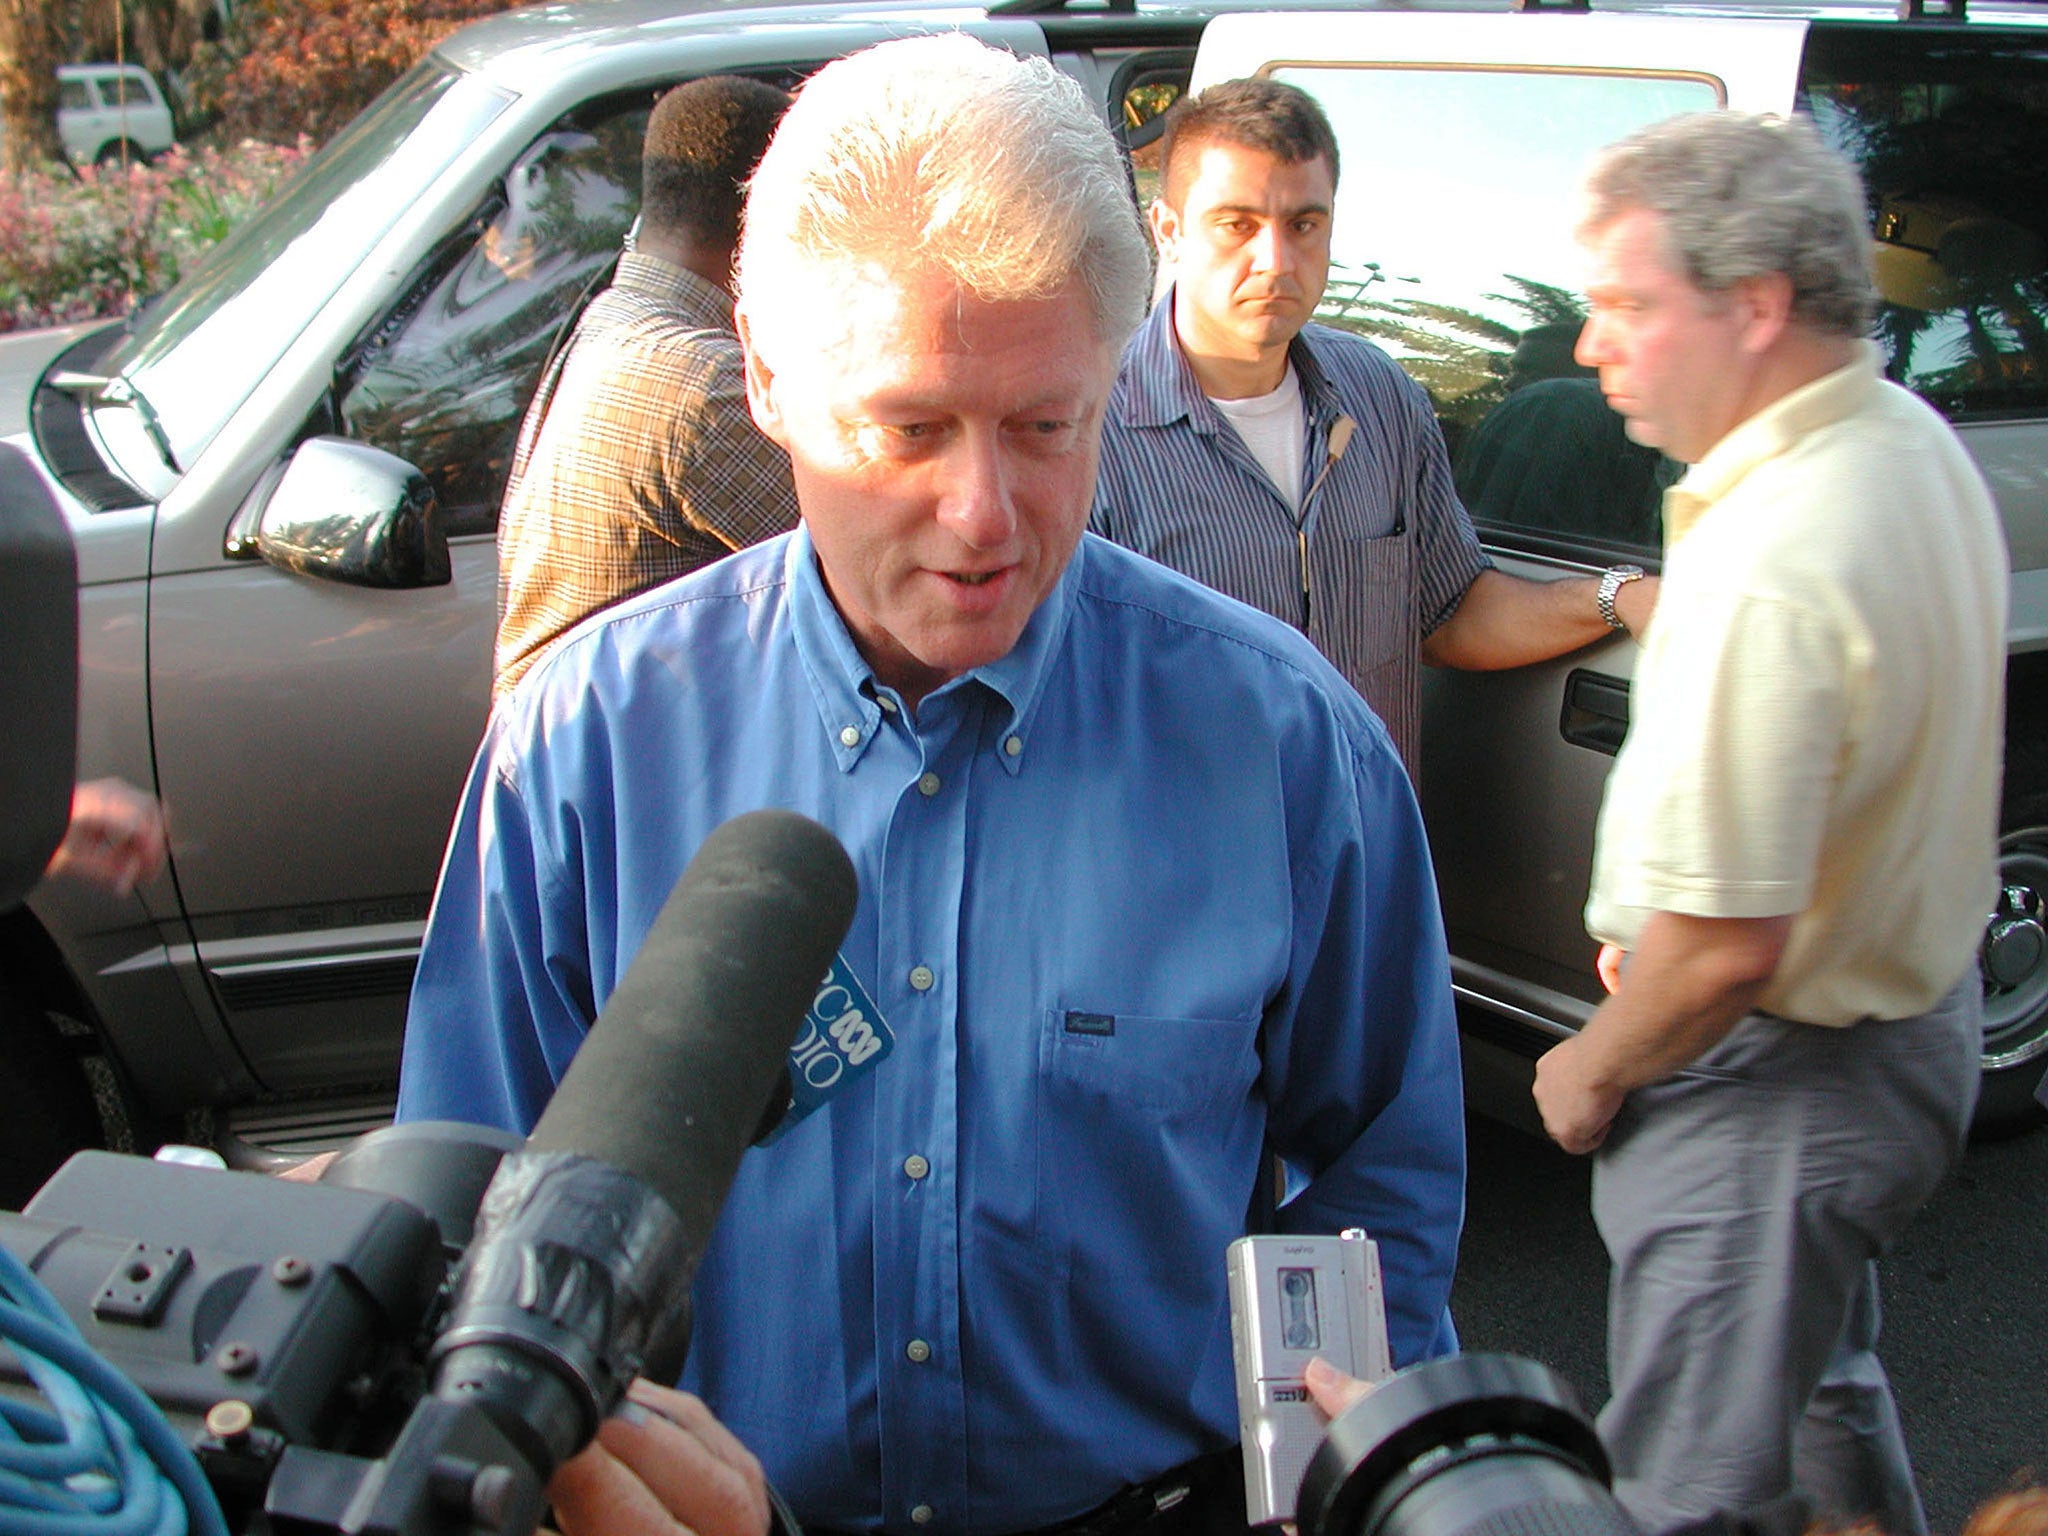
(1148, 892)
(1381, 550)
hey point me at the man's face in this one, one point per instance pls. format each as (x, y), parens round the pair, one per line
(1672, 358)
(944, 451)
(1249, 246)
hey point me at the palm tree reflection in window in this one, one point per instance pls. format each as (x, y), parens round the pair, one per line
(1957, 172)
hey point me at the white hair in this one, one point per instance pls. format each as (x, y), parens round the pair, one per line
(940, 155)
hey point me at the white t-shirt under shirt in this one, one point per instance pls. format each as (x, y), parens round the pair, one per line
(1273, 427)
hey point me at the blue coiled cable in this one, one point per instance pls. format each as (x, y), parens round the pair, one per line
(101, 1460)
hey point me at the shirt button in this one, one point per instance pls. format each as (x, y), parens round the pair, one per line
(921, 977)
(1014, 745)
(849, 736)
(928, 785)
(921, 1515)
(916, 1166)
(886, 704)
(918, 1350)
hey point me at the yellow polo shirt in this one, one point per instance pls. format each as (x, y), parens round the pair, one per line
(1817, 717)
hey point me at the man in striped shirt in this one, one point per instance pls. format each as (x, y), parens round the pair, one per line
(637, 461)
(1296, 467)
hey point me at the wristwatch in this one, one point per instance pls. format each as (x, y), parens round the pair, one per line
(1612, 580)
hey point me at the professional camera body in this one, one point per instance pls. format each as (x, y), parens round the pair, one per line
(287, 1330)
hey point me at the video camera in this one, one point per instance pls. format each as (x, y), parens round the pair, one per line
(413, 1344)
(286, 1329)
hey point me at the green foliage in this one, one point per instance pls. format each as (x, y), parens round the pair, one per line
(1460, 356)
(98, 243)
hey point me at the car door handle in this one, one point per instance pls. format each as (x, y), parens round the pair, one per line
(1595, 711)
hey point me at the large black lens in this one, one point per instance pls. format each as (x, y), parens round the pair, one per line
(1472, 1445)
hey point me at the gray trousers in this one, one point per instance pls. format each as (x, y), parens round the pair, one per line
(1744, 1203)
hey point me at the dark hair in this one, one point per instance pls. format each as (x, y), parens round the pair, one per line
(704, 139)
(1280, 120)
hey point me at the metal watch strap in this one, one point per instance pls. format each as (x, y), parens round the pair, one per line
(1612, 580)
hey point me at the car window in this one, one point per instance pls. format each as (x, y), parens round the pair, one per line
(72, 96)
(1952, 137)
(201, 350)
(1453, 249)
(444, 380)
(123, 90)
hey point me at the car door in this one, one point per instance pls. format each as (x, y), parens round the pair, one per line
(77, 116)
(120, 111)
(312, 737)
(1461, 139)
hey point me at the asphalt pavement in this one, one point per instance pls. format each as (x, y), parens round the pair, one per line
(1965, 1302)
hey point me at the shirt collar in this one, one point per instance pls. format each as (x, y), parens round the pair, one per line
(1770, 432)
(1159, 387)
(695, 301)
(852, 703)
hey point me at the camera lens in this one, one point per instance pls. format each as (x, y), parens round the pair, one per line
(1471, 1445)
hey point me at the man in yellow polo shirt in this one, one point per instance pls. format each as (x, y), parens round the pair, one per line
(1796, 850)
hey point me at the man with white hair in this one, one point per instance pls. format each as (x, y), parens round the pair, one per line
(1144, 890)
(1797, 846)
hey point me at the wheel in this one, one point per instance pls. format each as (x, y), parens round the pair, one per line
(2014, 964)
(47, 1111)
(111, 155)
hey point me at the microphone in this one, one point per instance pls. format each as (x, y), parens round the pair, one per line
(1340, 439)
(579, 1276)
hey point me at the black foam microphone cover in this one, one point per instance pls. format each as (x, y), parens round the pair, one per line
(579, 1273)
(671, 1084)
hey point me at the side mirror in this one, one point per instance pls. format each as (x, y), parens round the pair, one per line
(345, 511)
(1146, 97)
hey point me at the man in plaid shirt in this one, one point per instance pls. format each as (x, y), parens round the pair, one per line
(637, 461)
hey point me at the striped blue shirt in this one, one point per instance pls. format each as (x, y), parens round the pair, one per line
(1383, 549)
(1139, 900)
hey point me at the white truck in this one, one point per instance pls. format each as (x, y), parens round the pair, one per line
(108, 113)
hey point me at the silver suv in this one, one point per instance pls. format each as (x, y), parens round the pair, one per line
(283, 475)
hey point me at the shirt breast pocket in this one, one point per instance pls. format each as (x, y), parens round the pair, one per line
(1174, 1069)
(1362, 598)
(1146, 1120)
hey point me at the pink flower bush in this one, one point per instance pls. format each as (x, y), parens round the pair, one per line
(99, 243)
